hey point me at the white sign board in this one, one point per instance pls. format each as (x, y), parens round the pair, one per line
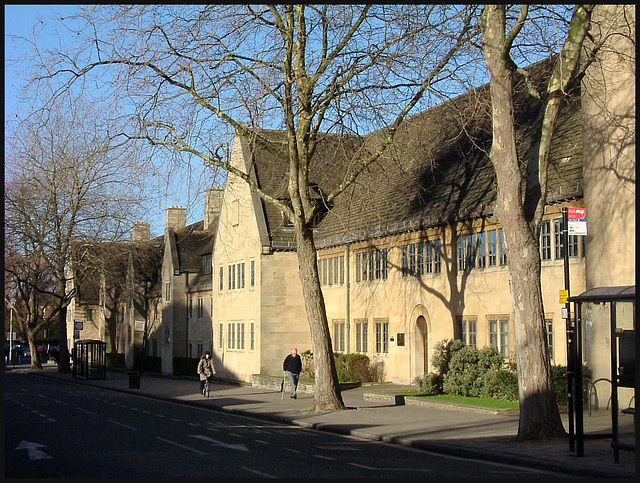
(577, 221)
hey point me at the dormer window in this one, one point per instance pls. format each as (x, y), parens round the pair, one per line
(206, 264)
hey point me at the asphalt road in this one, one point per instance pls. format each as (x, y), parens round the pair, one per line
(54, 428)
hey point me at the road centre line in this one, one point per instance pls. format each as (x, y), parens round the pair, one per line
(123, 425)
(180, 445)
(85, 411)
(324, 457)
(382, 468)
(260, 473)
(292, 450)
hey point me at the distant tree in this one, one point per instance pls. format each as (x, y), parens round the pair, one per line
(65, 181)
(124, 274)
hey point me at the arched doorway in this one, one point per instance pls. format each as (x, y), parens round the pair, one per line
(423, 343)
(419, 324)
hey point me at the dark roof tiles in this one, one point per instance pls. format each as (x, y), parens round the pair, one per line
(437, 169)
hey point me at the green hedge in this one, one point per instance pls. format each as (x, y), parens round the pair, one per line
(350, 367)
(115, 360)
(185, 366)
(471, 370)
(468, 371)
(152, 364)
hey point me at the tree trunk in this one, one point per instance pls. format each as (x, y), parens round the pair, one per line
(539, 414)
(35, 357)
(64, 363)
(327, 390)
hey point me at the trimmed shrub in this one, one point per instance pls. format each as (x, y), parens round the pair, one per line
(353, 367)
(350, 367)
(430, 383)
(501, 383)
(463, 376)
(115, 360)
(468, 370)
(308, 369)
(442, 353)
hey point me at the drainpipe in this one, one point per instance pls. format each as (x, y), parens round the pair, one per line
(348, 297)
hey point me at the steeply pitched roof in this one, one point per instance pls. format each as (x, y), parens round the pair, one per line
(189, 246)
(436, 171)
(111, 259)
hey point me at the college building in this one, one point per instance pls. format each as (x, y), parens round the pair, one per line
(409, 255)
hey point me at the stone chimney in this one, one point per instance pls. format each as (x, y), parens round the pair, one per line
(176, 217)
(212, 205)
(141, 232)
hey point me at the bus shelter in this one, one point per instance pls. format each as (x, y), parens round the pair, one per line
(604, 342)
(90, 359)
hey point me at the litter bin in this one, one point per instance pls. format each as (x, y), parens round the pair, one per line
(134, 380)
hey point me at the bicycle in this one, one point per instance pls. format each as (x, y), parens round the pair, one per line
(205, 389)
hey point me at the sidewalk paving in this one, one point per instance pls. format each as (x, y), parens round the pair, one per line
(373, 414)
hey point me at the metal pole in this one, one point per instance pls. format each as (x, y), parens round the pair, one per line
(614, 384)
(11, 336)
(578, 383)
(570, 331)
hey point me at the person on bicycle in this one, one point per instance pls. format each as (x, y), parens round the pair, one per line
(206, 370)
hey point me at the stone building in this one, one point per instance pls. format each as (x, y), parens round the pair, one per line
(409, 256)
(412, 253)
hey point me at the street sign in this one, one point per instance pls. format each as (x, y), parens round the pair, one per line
(564, 296)
(577, 221)
(78, 325)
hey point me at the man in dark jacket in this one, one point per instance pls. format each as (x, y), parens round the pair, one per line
(293, 366)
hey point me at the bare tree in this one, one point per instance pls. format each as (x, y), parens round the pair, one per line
(521, 201)
(66, 181)
(28, 285)
(119, 275)
(192, 76)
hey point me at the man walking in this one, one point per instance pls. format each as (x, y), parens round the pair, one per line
(293, 366)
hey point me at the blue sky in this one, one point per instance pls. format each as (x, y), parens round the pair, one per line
(19, 20)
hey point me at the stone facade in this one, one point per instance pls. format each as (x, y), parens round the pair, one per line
(420, 225)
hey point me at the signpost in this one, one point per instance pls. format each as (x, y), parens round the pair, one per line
(577, 221)
(574, 222)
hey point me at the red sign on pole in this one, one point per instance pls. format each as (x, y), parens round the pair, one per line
(577, 221)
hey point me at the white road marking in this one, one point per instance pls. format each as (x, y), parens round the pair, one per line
(324, 457)
(239, 446)
(121, 424)
(257, 472)
(390, 469)
(85, 411)
(33, 450)
(180, 445)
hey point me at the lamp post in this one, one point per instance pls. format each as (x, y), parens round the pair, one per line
(11, 333)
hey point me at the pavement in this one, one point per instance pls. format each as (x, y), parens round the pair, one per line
(375, 413)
